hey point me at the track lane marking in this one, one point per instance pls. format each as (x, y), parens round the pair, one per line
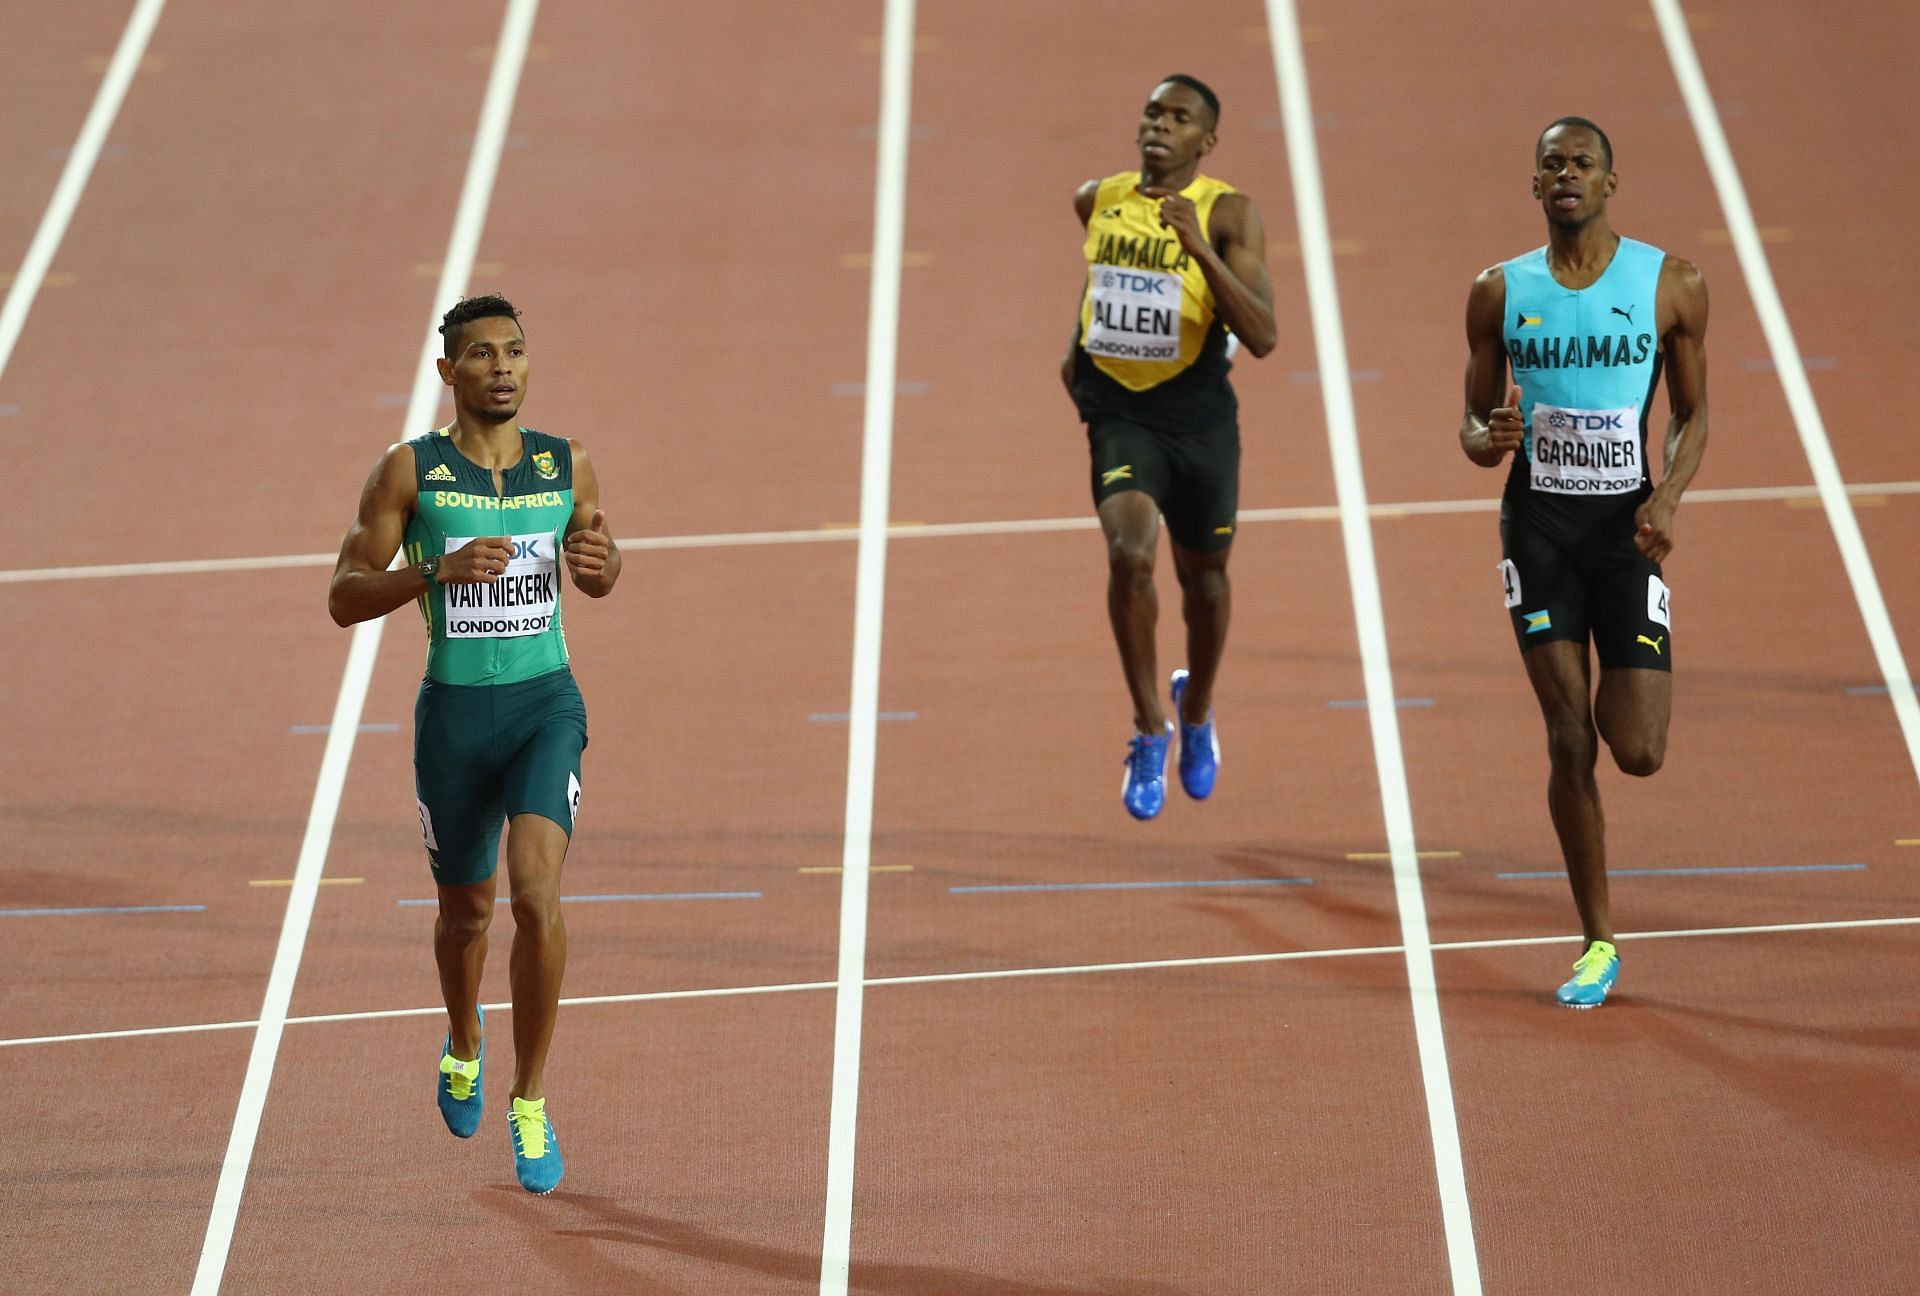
(1791, 369)
(1330, 350)
(476, 192)
(876, 471)
(988, 974)
(25, 284)
(918, 530)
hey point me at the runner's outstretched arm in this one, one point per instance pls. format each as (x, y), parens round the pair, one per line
(1684, 292)
(592, 558)
(362, 588)
(1489, 432)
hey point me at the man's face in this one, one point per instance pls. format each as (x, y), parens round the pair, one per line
(488, 373)
(1572, 178)
(1176, 129)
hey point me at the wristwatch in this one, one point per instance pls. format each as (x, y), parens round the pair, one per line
(428, 567)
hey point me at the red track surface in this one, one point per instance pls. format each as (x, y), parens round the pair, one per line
(682, 210)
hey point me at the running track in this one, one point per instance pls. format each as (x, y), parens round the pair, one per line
(752, 275)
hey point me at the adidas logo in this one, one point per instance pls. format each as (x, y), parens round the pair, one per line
(440, 472)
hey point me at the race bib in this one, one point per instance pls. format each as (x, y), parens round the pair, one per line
(520, 602)
(1586, 452)
(1136, 313)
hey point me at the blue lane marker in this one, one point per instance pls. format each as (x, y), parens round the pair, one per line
(327, 728)
(1560, 874)
(103, 909)
(1359, 704)
(1127, 886)
(665, 895)
(841, 717)
(1867, 690)
(8, 411)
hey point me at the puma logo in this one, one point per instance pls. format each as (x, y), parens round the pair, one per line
(1651, 643)
(1626, 314)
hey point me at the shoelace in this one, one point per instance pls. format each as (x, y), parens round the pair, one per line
(530, 1129)
(1591, 966)
(1138, 748)
(459, 1082)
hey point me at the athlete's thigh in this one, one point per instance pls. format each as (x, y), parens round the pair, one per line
(1631, 610)
(1124, 456)
(547, 724)
(1203, 500)
(1633, 707)
(1544, 592)
(456, 784)
(1562, 680)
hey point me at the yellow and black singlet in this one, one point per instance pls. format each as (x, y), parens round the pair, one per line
(1151, 346)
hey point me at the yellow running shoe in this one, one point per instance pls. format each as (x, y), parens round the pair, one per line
(459, 1087)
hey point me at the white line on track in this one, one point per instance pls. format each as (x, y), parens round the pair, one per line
(74, 176)
(1330, 347)
(1793, 373)
(496, 111)
(923, 531)
(986, 974)
(876, 470)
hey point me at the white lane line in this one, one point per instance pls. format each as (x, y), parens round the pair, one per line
(482, 166)
(922, 531)
(1793, 372)
(1330, 347)
(876, 470)
(988, 974)
(74, 176)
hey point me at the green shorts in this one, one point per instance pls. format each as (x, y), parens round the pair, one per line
(485, 753)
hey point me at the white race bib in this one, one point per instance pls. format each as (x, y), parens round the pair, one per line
(1136, 313)
(1586, 452)
(520, 602)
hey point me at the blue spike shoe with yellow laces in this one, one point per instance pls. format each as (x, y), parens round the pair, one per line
(536, 1151)
(1144, 789)
(1593, 976)
(459, 1088)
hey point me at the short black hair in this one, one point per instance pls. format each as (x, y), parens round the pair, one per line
(1606, 145)
(1200, 88)
(466, 311)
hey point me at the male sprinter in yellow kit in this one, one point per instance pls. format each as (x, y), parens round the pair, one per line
(483, 505)
(1174, 261)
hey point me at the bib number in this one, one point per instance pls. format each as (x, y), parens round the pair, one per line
(1136, 313)
(1585, 452)
(520, 602)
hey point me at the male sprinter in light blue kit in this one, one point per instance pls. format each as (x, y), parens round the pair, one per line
(483, 505)
(1587, 323)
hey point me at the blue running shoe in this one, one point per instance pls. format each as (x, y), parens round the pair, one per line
(460, 1096)
(1199, 747)
(1593, 975)
(536, 1152)
(1144, 790)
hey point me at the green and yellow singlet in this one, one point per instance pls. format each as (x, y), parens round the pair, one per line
(509, 630)
(1148, 313)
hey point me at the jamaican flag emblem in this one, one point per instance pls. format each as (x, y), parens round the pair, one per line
(544, 465)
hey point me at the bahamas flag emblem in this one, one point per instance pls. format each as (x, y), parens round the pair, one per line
(1538, 621)
(1527, 319)
(544, 465)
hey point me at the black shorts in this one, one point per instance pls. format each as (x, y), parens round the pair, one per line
(484, 753)
(1603, 587)
(1194, 476)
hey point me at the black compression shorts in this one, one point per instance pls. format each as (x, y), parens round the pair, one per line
(1194, 476)
(1605, 588)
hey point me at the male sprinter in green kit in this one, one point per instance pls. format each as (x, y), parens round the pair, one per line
(486, 508)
